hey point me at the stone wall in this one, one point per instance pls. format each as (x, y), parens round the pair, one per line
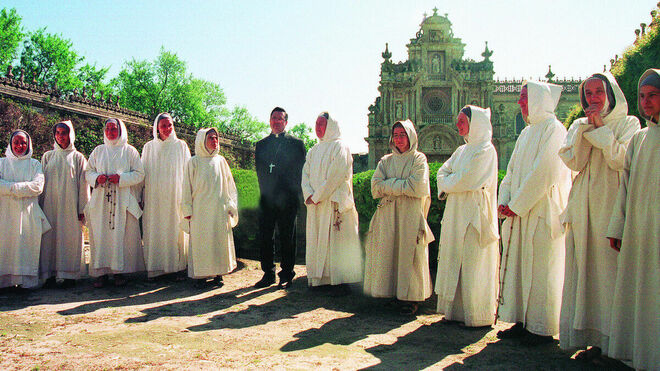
(36, 108)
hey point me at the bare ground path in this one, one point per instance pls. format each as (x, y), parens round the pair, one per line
(171, 325)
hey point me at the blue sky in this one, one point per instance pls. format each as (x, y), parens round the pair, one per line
(310, 56)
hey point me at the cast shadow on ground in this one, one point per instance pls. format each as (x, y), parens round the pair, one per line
(510, 354)
(424, 347)
(367, 316)
(85, 292)
(370, 316)
(201, 306)
(138, 291)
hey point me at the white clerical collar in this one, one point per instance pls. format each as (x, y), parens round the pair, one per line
(278, 135)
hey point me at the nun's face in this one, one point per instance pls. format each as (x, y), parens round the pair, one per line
(321, 125)
(523, 103)
(62, 136)
(165, 128)
(594, 93)
(400, 138)
(649, 99)
(463, 124)
(111, 130)
(19, 144)
(211, 141)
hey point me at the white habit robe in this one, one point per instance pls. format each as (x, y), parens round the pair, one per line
(536, 188)
(23, 221)
(165, 244)
(468, 253)
(112, 212)
(65, 196)
(209, 196)
(597, 155)
(333, 253)
(397, 254)
(636, 221)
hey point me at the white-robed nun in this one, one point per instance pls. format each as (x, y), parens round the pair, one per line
(164, 159)
(532, 196)
(397, 258)
(468, 251)
(210, 210)
(635, 229)
(114, 170)
(23, 221)
(333, 253)
(595, 148)
(65, 196)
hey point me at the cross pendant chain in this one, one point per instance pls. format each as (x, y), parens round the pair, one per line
(271, 166)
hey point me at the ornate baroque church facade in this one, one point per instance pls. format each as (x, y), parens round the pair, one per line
(435, 83)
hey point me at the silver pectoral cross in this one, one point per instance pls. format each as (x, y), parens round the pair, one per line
(271, 166)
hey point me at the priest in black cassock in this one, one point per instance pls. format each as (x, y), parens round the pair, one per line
(279, 160)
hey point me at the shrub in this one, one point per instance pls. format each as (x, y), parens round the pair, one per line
(245, 233)
(247, 186)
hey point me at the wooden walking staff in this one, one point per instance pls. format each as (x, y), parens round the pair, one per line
(500, 296)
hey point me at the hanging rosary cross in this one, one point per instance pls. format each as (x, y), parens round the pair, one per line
(337, 222)
(271, 166)
(108, 195)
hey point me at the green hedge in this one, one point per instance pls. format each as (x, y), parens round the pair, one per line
(245, 233)
(247, 186)
(635, 60)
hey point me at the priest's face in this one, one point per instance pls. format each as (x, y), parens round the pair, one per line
(522, 102)
(277, 122)
(111, 130)
(400, 138)
(211, 141)
(62, 136)
(19, 144)
(165, 128)
(463, 124)
(321, 125)
(594, 93)
(649, 99)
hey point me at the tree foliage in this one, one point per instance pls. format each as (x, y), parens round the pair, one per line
(150, 87)
(50, 58)
(242, 124)
(304, 132)
(92, 77)
(11, 34)
(164, 85)
(639, 57)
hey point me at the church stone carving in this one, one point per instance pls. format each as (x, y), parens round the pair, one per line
(435, 82)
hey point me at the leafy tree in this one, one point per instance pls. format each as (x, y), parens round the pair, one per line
(244, 125)
(152, 87)
(200, 103)
(50, 58)
(304, 132)
(10, 36)
(91, 77)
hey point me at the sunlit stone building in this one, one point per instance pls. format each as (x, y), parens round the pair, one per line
(432, 85)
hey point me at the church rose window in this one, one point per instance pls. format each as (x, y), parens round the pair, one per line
(435, 102)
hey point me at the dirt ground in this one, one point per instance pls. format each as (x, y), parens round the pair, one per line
(171, 325)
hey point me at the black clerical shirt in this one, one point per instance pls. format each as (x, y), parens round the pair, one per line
(279, 160)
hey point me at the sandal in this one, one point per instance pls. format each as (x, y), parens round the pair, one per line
(120, 280)
(99, 282)
(410, 309)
